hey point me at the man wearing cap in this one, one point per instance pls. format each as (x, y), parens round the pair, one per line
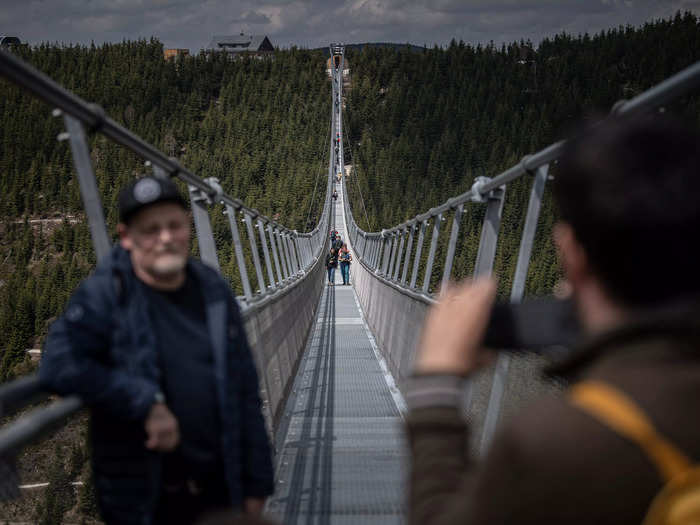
(153, 342)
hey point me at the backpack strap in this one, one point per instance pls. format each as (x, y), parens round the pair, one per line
(620, 413)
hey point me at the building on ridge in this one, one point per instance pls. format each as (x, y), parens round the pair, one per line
(241, 44)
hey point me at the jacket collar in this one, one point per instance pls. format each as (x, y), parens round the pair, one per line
(213, 289)
(681, 322)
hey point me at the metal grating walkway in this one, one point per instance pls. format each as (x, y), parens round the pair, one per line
(341, 451)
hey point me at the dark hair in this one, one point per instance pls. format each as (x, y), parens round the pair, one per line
(630, 189)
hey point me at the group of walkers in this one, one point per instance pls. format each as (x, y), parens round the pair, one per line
(338, 255)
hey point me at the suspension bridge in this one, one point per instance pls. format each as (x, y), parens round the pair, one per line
(331, 359)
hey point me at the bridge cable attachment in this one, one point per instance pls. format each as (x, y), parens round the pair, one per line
(477, 195)
(526, 169)
(213, 182)
(619, 107)
(99, 116)
(176, 167)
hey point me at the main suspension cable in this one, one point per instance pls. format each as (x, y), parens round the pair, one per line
(318, 173)
(354, 168)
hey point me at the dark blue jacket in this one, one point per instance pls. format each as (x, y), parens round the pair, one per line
(104, 350)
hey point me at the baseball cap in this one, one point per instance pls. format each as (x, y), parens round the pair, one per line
(145, 192)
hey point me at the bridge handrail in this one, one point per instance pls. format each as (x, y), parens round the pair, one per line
(295, 255)
(382, 277)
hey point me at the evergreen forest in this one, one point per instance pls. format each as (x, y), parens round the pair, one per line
(422, 125)
(260, 126)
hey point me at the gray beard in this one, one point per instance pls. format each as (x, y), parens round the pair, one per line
(168, 266)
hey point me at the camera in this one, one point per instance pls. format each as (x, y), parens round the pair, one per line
(543, 325)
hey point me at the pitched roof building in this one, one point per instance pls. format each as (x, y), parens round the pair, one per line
(241, 43)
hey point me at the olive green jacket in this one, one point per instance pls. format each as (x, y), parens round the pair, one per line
(552, 463)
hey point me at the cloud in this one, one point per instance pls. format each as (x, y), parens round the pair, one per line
(253, 17)
(315, 23)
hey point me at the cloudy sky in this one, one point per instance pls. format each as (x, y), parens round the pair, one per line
(315, 23)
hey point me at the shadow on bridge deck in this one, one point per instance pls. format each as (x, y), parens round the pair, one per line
(341, 451)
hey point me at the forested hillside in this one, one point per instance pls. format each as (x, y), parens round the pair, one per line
(260, 126)
(423, 125)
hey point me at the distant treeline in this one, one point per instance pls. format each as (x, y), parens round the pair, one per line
(423, 125)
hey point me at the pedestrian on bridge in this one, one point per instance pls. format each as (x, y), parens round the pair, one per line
(331, 265)
(154, 343)
(345, 258)
(338, 242)
(628, 192)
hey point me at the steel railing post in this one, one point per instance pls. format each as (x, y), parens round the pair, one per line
(275, 256)
(88, 186)
(431, 254)
(392, 254)
(287, 256)
(288, 252)
(407, 259)
(419, 251)
(300, 252)
(283, 254)
(266, 253)
(254, 249)
(387, 248)
(451, 247)
(292, 251)
(202, 225)
(399, 253)
(500, 374)
(238, 250)
(489, 234)
(380, 253)
(392, 258)
(486, 254)
(294, 240)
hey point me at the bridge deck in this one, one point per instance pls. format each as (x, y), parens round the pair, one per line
(341, 453)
